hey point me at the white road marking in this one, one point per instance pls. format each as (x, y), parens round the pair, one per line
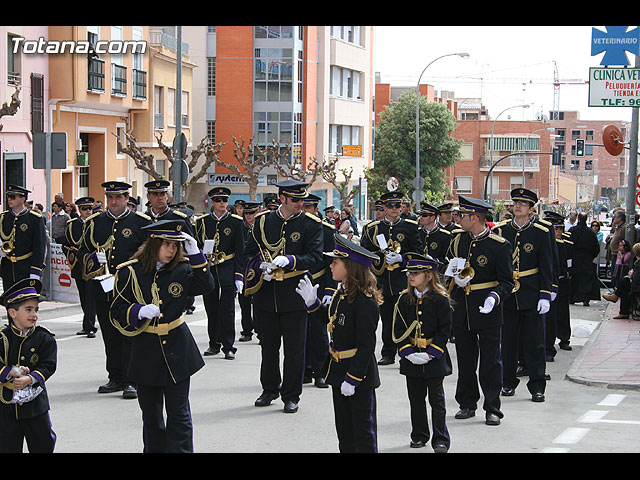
(571, 435)
(612, 400)
(593, 416)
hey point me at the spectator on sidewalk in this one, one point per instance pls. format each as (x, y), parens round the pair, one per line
(628, 288)
(59, 220)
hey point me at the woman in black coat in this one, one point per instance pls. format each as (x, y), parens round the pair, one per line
(351, 367)
(421, 328)
(150, 296)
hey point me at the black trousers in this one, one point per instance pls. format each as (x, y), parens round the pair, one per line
(176, 434)
(623, 290)
(317, 345)
(36, 431)
(389, 347)
(419, 389)
(290, 329)
(88, 304)
(471, 346)
(558, 324)
(117, 347)
(524, 329)
(246, 320)
(220, 306)
(356, 421)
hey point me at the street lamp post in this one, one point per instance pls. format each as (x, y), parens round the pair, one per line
(491, 143)
(463, 55)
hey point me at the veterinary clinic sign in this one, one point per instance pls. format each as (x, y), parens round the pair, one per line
(614, 87)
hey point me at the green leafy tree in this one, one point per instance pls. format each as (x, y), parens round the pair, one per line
(395, 147)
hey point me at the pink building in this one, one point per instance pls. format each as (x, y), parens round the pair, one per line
(30, 72)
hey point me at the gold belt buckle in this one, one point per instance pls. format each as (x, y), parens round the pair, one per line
(162, 329)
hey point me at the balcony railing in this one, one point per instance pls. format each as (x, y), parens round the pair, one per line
(14, 78)
(158, 121)
(118, 80)
(95, 81)
(531, 163)
(139, 84)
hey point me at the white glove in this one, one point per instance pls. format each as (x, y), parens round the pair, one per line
(307, 291)
(149, 311)
(326, 300)
(34, 275)
(489, 303)
(347, 389)
(239, 286)
(461, 282)
(554, 295)
(281, 261)
(418, 358)
(267, 276)
(190, 244)
(393, 257)
(101, 257)
(543, 306)
(2, 254)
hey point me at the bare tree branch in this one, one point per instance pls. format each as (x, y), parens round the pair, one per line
(11, 108)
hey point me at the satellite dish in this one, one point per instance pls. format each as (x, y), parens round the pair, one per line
(612, 140)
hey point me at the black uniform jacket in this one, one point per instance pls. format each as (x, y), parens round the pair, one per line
(299, 238)
(352, 332)
(436, 242)
(27, 233)
(532, 262)
(36, 350)
(103, 226)
(321, 273)
(165, 352)
(72, 241)
(171, 214)
(423, 326)
(403, 231)
(227, 261)
(490, 257)
(563, 269)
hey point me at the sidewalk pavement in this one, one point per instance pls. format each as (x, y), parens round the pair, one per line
(610, 357)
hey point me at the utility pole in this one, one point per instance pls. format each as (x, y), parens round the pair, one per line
(630, 206)
(177, 150)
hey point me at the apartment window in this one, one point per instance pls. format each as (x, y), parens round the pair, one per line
(466, 151)
(588, 135)
(272, 31)
(347, 33)
(171, 106)
(463, 184)
(37, 102)
(139, 77)
(273, 75)
(211, 130)
(118, 70)
(575, 134)
(275, 126)
(340, 135)
(345, 83)
(14, 67)
(561, 134)
(158, 108)
(185, 109)
(211, 76)
(211, 29)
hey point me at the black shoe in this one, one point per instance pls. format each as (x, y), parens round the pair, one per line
(265, 399)
(508, 392)
(492, 419)
(91, 334)
(585, 303)
(386, 361)
(81, 332)
(190, 310)
(229, 356)
(537, 397)
(320, 383)
(549, 358)
(245, 338)
(440, 448)
(290, 406)
(521, 371)
(565, 346)
(110, 387)
(417, 443)
(129, 391)
(464, 413)
(211, 351)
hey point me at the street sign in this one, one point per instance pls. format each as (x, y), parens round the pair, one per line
(58, 144)
(615, 42)
(417, 196)
(180, 145)
(418, 183)
(184, 170)
(637, 199)
(392, 184)
(351, 151)
(614, 87)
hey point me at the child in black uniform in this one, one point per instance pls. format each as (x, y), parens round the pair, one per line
(28, 357)
(351, 367)
(421, 328)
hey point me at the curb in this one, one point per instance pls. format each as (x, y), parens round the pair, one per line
(574, 374)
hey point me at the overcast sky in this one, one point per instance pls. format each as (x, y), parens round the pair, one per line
(508, 65)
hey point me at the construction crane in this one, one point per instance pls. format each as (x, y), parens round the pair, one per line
(555, 113)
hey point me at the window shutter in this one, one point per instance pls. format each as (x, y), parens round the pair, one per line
(37, 103)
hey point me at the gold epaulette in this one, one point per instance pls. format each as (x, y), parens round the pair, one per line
(444, 230)
(181, 214)
(456, 230)
(37, 214)
(237, 216)
(263, 212)
(326, 223)
(541, 227)
(411, 221)
(500, 224)
(202, 216)
(315, 217)
(545, 222)
(143, 215)
(497, 238)
(128, 262)
(90, 217)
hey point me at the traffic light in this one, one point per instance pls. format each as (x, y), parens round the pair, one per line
(579, 148)
(556, 159)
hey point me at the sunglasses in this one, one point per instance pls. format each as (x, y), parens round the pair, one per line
(379, 209)
(86, 208)
(218, 199)
(294, 199)
(392, 205)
